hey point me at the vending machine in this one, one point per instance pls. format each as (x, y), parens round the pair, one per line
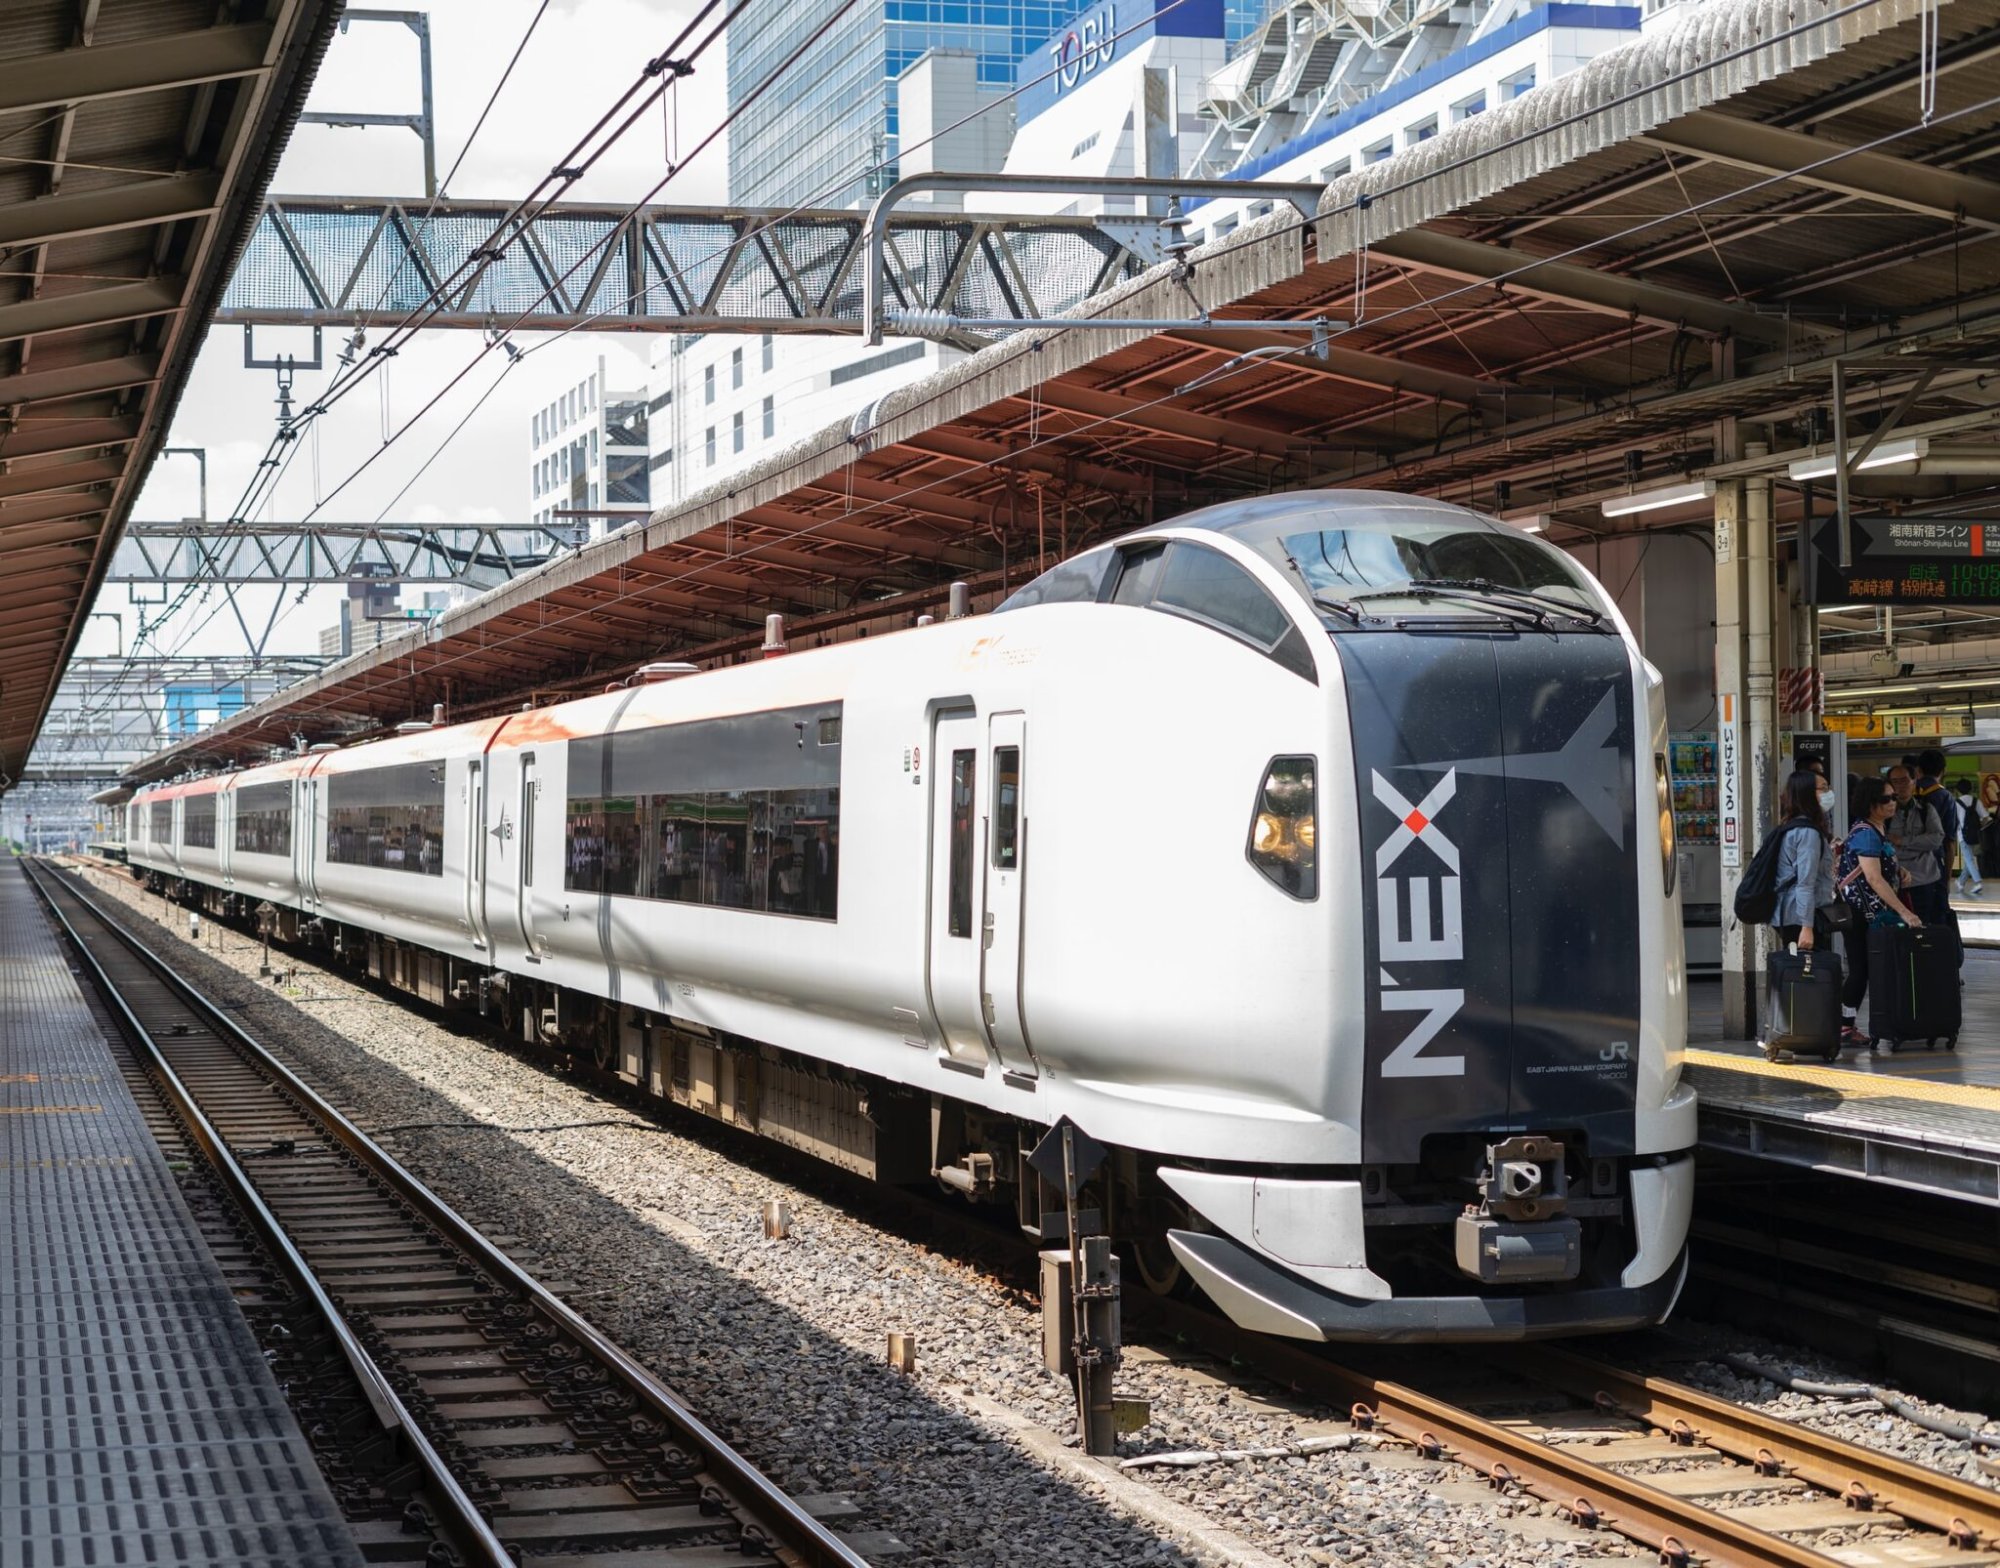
(1691, 769)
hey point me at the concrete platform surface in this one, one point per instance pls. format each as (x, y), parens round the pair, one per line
(139, 1422)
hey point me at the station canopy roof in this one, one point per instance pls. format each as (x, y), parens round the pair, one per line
(138, 136)
(1608, 283)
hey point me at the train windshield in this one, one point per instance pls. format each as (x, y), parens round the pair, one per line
(1404, 568)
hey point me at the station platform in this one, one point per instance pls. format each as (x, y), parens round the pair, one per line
(1928, 1120)
(139, 1422)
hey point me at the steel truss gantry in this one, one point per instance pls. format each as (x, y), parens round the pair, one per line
(366, 261)
(475, 555)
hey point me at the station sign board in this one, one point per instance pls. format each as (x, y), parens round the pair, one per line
(1729, 782)
(1912, 560)
(1899, 726)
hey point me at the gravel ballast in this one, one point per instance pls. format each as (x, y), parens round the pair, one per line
(779, 1343)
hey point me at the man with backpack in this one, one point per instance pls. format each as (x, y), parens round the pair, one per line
(1971, 824)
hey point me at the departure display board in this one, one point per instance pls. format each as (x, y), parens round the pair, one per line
(1912, 560)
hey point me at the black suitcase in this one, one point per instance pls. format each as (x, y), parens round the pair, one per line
(1912, 987)
(1802, 1008)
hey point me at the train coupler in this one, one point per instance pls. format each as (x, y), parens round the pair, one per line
(1518, 1233)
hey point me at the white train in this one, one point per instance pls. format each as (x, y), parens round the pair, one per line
(1312, 853)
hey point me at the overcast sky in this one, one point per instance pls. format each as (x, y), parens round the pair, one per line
(583, 55)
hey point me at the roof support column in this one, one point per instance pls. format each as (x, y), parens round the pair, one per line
(1747, 742)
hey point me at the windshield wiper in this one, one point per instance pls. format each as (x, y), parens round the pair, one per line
(1353, 612)
(1324, 601)
(1485, 585)
(1436, 588)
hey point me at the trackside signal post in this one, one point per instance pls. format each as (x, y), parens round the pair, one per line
(1080, 1327)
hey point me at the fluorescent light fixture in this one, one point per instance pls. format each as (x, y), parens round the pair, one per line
(1651, 500)
(1898, 688)
(1909, 450)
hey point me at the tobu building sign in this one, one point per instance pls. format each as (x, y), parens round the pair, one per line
(1087, 44)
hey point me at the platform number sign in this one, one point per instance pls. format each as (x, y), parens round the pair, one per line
(1729, 782)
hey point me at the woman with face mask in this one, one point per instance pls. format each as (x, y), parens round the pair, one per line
(1805, 861)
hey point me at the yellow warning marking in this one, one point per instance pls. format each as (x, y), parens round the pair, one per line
(20, 1077)
(1863, 1086)
(50, 1110)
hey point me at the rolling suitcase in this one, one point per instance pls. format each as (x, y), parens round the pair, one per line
(1912, 987)
(1802, 1012)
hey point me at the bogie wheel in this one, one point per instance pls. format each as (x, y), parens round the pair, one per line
(1157, 1212)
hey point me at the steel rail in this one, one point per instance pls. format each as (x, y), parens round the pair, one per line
(458, 1516)
(750, 1493)
(1588, 1494)
(1969, 1515)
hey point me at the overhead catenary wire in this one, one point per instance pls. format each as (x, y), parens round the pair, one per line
(501, 334)
(270, 471)
(1363, 200)
(1087, 424)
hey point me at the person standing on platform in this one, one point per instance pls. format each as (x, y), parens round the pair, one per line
(1919, 839)
(1971, 825)
(1931, 791)
(1868, 878)
(1805, 862)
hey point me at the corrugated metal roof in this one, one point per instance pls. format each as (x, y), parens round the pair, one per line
(135, 139)
(1528, 299)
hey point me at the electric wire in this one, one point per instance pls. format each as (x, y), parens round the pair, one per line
(501, 334)
(1090, 423)
(1264, 234)
(269, 472)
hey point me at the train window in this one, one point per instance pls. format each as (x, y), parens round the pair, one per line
(198, 822)
(1339, 562)
(731, 813)
(958, 894)
(1138, 575)
(1077, 581)
(1007, 807)
(162, 825)
(264, 819)
(388, 819)
(1205, 585)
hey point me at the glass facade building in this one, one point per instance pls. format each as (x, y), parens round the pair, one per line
(815, 135)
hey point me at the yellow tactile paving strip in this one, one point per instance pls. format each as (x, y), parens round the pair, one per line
(1868, 1086)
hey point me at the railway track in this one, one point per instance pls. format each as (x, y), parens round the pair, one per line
(1690, 1477)
(462, 1404)
(1695, 1478)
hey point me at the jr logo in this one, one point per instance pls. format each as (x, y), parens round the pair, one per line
(1437, 929)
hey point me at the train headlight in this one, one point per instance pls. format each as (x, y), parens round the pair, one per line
(1664, 793)
(1284, 828)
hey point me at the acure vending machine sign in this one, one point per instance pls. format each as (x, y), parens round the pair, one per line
(1729, 784)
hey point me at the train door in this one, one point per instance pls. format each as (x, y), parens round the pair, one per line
(958, 864)
(524, 881)
(1006, 876)
(475, 852)
(225, 834)
(305, 857)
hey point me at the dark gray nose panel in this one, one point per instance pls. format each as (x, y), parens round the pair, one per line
(1498, 886)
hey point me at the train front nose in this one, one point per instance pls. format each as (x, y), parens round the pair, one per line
(1500, 921)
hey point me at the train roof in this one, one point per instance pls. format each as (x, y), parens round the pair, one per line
(1267, 517)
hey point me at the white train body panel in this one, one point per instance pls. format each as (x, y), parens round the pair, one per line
(1093, 930)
